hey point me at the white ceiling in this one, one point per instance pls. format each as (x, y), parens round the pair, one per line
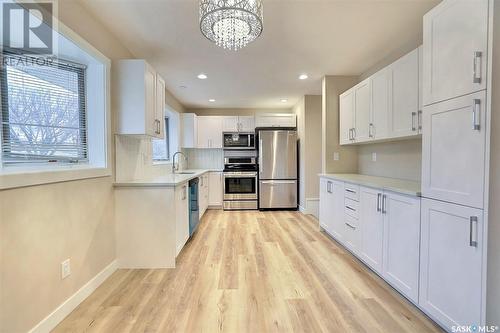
(318, 37)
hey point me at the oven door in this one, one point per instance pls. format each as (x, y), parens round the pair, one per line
(240, 186)
(239, 140)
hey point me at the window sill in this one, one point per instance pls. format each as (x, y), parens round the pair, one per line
(161, 162)
(14, 177)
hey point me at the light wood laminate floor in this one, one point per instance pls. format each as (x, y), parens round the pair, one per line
(251, 272)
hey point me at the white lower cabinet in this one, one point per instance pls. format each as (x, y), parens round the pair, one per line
(451, 263)
(401, 242)
(380, 227)
(203, 193)
(215, 189)
(181, 217)
(372, 228)
(331, 208)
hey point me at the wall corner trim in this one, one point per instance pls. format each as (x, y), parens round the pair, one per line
(53, 319)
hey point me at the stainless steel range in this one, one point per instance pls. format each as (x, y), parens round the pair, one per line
(240, 180)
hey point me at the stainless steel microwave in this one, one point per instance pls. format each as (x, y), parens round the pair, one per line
(238, 140)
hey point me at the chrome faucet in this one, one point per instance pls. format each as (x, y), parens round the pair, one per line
(173, 161)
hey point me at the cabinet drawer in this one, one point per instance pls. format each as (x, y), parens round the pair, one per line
(351, 208)
(351, 234)
(352, 191)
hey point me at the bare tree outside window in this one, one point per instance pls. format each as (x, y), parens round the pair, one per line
(43, 113)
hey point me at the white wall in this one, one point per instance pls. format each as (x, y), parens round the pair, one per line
(308, 111)
(40, 226)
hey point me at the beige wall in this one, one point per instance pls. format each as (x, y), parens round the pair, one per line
(234, 112)
(398, 159)
(41, 226)
(332, 87)
(308, 111)
(173, 102)
(493, 277)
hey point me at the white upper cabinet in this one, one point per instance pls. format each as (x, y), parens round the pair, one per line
(160, 107)
(189, 130)
(362, 111)
(275, 120)
(453, 150)
(384, 106)
(381, 104)
(401, 242)
(451, 263)
(239, 124)
(230, 124)
(209, 132)
(455, 50)
(247, 123)
(346, 117)
(372, 228)
(140, 98)
(403, 114)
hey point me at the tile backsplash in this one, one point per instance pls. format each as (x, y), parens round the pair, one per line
(205, 158)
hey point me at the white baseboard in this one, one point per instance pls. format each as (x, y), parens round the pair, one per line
(53, 319)
(311, 207)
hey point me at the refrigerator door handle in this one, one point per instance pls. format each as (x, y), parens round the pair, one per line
(271, 182)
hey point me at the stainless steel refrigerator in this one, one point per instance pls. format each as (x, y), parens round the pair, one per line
(277, 168)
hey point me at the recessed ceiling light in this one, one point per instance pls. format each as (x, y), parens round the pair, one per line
(284, 100)
(303, 77)
(202, 76)
(211, 100)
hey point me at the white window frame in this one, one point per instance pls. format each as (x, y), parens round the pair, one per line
(166, 142)
(98, 117)
(174, 135)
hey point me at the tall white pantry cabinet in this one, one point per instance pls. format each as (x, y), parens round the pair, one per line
(455, 169)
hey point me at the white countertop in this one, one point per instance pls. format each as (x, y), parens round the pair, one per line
(390, 184)
(168, 180)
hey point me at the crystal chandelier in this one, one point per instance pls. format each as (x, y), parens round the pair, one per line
(231, 24)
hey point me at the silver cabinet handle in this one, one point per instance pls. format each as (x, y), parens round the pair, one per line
(413, 126)
(350, 191)
(184, 192)
(473, 231)
(350, 208)
(384, 202)
(350, 134)
(419, 120)
(370, 130)
(350, 225)
(476, 112)
(329, 187)
(476, 78)
(379, 195)
(354, 133)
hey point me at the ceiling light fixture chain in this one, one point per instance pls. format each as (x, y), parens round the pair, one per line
(231, 24)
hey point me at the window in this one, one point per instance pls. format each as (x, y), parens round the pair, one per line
(43, 112)
(161, 149)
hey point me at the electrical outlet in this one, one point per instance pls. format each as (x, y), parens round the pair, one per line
(65, 268)
(336, 156)
(374, 157)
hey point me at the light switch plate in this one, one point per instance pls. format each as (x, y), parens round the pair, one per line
(336, 156)
(374, 157)
(65, 268)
